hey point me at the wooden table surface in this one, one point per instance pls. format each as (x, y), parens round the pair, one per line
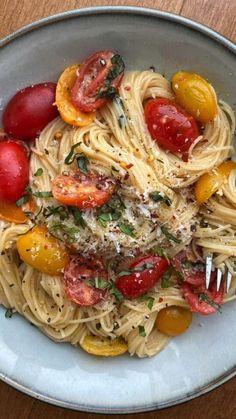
(219, 15)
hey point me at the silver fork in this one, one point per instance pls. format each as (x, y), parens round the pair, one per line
(219, 274)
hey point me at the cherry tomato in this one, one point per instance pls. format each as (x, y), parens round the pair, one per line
(42, 251)
(100, 346)
(77, 276)
(14, 170)
(145, 273)
(212, 181)
(30, 110)
(83, 190)
(200, 299)
(100, 72)
(9, 211)
(195, 95)
(67, 110)
(173, 320)
(170, 125)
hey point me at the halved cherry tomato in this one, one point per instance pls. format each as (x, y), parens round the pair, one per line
(170, 125)
(67, 110)
(195, 95)
(193, 288)
(99, 72)
(173, 320)
(14, 170)
(100, 346)
(210, 182)
(42, 251)
(9, 211)
(77, 275)
(83, 190)
(30, 110)
(145, 273)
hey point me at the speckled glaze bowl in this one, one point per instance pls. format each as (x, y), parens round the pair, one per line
(205, 356)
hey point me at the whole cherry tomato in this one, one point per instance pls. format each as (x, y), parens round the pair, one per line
(14, 170)
(30, 110)
(77, 275)
(173, 320)
(83, 190)
(99, 76)
(141, 276)
(170, 125)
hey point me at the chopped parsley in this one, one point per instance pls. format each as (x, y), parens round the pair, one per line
(160, 197)
(79, 220)
(169, 236)
(108, 216)
(117, 294)
(58, 211)
(203, 297)
(141, 330)
(127, 229)
(165, 279)
(158, 251)
(68, 232)
(39, 172)
(9, 313)
(99, 283)
(150, 300)
(21, 201)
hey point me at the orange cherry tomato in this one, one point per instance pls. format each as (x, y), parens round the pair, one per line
(83, 190)
(42, 251)
(210, 182)
(67, 110)
(11, 212)
(195, 95)
(173, 320)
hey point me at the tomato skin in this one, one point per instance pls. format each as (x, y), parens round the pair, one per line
(83, 190)
(195, 285)
(170, 125)
(76, 273)
(9, 211)
(14, 170)
(42, 251)
(91, 80)
(30, 110)
(173, 320)
(138, 283)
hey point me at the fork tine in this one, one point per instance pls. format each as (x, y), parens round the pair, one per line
(209, 260)
(228, 281)
(218, 279)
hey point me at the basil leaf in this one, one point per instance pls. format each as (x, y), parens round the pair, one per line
(21, 201)
(158, 251)
(71, 156)
(108, 216)
(160, 196)
(99, 283)
(79, 220)
(165, 280)
(117, 294)
(119, 67)
(141, 330)
(203, 297)
(136, 269)
(39, 172)
(9, 313)
(43, 194)
(110, 92)
(59, 211)
(82, 162)
(127, 229)
(124, 273)
(69, 232)
(150, 300)
(169, 236)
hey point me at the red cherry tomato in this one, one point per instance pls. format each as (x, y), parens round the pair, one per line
(83, 190)
(30, 110)
(146, 273)
(194, 287)
(76, 276)
(170, 126)
(14, 170)
(92, 78)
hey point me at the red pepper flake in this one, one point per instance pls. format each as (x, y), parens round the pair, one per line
(160, 300)
(128, 88)
(129, 166)
(126, 176)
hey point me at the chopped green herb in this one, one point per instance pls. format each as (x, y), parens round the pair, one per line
(127, 229)
(109, 92)
(150, 300)
(114, 169)
(203, 297)
(9, 313)
(79, 220)
(179, 275)
(117, 294)
(28, 189)
(141, 268)
(71, 156)
(158, 251)
(68, 232)
(39, 172)
(124, 273)
(165, 280)
(141, 330)
(118, 68)
(58, 211)
(43, 194)
(82, 162)
(169, 236)
(99, 283)
(108, 216)
(21, 201)
(121, 121)
(160, 196)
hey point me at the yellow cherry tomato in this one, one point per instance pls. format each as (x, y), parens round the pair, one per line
(67, 110)
(9, 211)
(210, 182)
(43, 252)
(100, 346)
(195, 95)
(173, 320)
